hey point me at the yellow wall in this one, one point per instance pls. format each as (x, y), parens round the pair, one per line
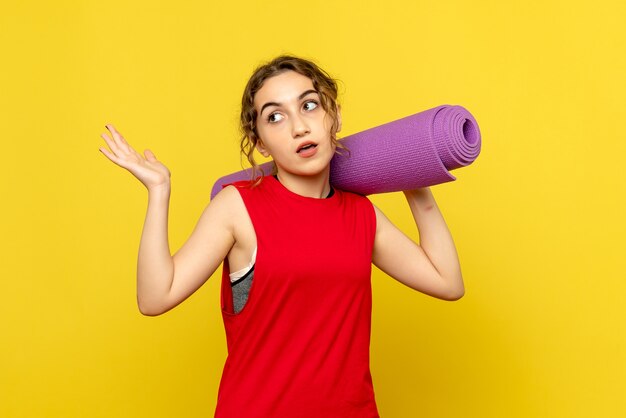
(537, 219)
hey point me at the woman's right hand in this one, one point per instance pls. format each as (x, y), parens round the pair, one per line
(150, 171)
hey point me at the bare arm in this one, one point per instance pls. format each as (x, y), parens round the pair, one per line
(432, 267)
(163, 280)
(155, 266)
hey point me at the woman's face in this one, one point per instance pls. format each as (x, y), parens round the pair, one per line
(290, 116)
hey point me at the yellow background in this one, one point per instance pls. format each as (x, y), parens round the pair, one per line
(537, 219)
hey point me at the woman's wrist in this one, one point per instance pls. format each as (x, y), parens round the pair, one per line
(162, 190)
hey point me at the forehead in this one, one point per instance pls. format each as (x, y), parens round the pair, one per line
(282, 88)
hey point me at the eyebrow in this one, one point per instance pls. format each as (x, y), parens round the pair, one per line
(278, 104)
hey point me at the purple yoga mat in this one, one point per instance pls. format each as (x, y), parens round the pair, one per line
(412, 152)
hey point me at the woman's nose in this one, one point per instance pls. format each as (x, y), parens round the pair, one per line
(300, 127)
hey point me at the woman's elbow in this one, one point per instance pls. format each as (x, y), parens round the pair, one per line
(150, 309)
(454, 293)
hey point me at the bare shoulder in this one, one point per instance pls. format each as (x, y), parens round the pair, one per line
(382, 222)
(227, 197)
(227, 205)
(231, 209)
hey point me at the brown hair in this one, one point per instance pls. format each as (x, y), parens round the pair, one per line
(322, 83)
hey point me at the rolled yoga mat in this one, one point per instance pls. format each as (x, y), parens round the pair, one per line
(409, 153)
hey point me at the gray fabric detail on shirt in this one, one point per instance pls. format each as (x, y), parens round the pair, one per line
(241, 289)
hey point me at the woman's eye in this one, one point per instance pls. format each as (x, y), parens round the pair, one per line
(312, 103)
(271, 119)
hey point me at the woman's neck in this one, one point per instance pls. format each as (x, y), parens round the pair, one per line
(317, 186)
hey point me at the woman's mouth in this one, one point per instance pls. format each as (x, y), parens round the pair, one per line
(308, 150)
(306, 147)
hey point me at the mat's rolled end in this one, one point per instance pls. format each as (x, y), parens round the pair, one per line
(470, 130)
(456, 136)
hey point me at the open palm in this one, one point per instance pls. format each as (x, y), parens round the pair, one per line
(150, 171)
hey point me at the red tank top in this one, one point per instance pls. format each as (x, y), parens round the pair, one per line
(299, 348)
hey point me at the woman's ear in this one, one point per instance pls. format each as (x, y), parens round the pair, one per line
(261, 148)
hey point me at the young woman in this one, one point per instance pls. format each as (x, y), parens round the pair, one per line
(297, 254)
